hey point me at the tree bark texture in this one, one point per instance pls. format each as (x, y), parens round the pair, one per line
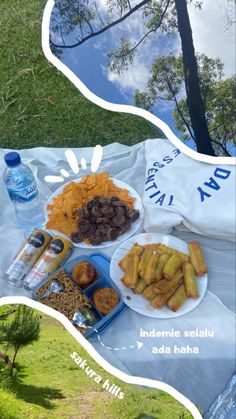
(14, 360)
(192, 85)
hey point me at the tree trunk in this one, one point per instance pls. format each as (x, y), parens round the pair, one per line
(14, 359)
(8, 343)
(194, 99)
(7, 347)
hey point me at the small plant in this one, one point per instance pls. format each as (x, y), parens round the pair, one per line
(21, 331)
(5, 379)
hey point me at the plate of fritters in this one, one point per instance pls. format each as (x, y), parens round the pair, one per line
(95, 211)
(160, 275)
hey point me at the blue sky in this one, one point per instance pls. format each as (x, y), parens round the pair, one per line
(89, 61)
(93, 76)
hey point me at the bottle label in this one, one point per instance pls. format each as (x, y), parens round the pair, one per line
(25, 194)
(55, 255)
(29, 253)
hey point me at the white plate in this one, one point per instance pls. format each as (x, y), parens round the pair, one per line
(139, 303)
(134, 227)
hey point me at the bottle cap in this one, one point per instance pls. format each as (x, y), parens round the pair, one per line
(12, 159)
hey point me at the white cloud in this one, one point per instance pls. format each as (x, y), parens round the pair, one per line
(210, 36)
(210, 33)
(136, 76)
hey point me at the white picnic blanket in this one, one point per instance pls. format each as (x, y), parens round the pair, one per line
(187, 194)
(201, 377)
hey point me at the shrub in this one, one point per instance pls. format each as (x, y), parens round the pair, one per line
(5, 379)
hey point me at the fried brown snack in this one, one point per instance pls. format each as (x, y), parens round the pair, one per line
(161, 299)
(84, 274)
(149, 292)
(144, 261)
(150, 271)
(130, 278)
(160, 265)
(197, 258)
(172, 266)
(170, 251)
(136, 249)
(154, 247)
(140, 287)
(105, 299)
(190, 282)
(177, 299)
(164, 285)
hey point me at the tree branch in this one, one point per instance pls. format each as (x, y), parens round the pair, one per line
(81, 27)
(89, 24)
(222, 146)
(165, 98)
(99, 32)
(184, 119)
(179, 110)
(146, 35)
(62, 36)
(130, 8)
(100, 17)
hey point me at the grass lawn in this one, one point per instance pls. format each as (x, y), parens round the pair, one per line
(38, 105)
(53, 386)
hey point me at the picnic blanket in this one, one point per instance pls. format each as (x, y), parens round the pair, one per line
(201, 377)
(187, 194)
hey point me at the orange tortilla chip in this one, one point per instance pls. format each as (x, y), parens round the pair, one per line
(62, 216)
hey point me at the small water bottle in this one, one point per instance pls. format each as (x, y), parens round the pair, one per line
(23, 192)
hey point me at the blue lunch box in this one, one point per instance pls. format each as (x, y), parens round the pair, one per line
(102, 265)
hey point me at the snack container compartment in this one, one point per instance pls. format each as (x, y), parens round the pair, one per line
(69, 269)
(102, 264)
(102, 283)
(63, 268)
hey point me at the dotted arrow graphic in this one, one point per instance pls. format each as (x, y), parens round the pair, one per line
(138, 345)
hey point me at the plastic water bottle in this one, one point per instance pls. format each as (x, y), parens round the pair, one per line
(23, 192)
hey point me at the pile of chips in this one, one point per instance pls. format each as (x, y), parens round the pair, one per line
(63, 211)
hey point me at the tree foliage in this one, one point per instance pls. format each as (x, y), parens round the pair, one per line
(88, 19)
(21, 331)
(5, 310)
(195, 115)
(166, 82)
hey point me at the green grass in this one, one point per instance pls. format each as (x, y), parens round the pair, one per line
(51, 385)
(38, 105)
(10, 406)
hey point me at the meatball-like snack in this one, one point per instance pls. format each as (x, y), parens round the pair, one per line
(105, 299)
(103, 219)
(84, 274)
